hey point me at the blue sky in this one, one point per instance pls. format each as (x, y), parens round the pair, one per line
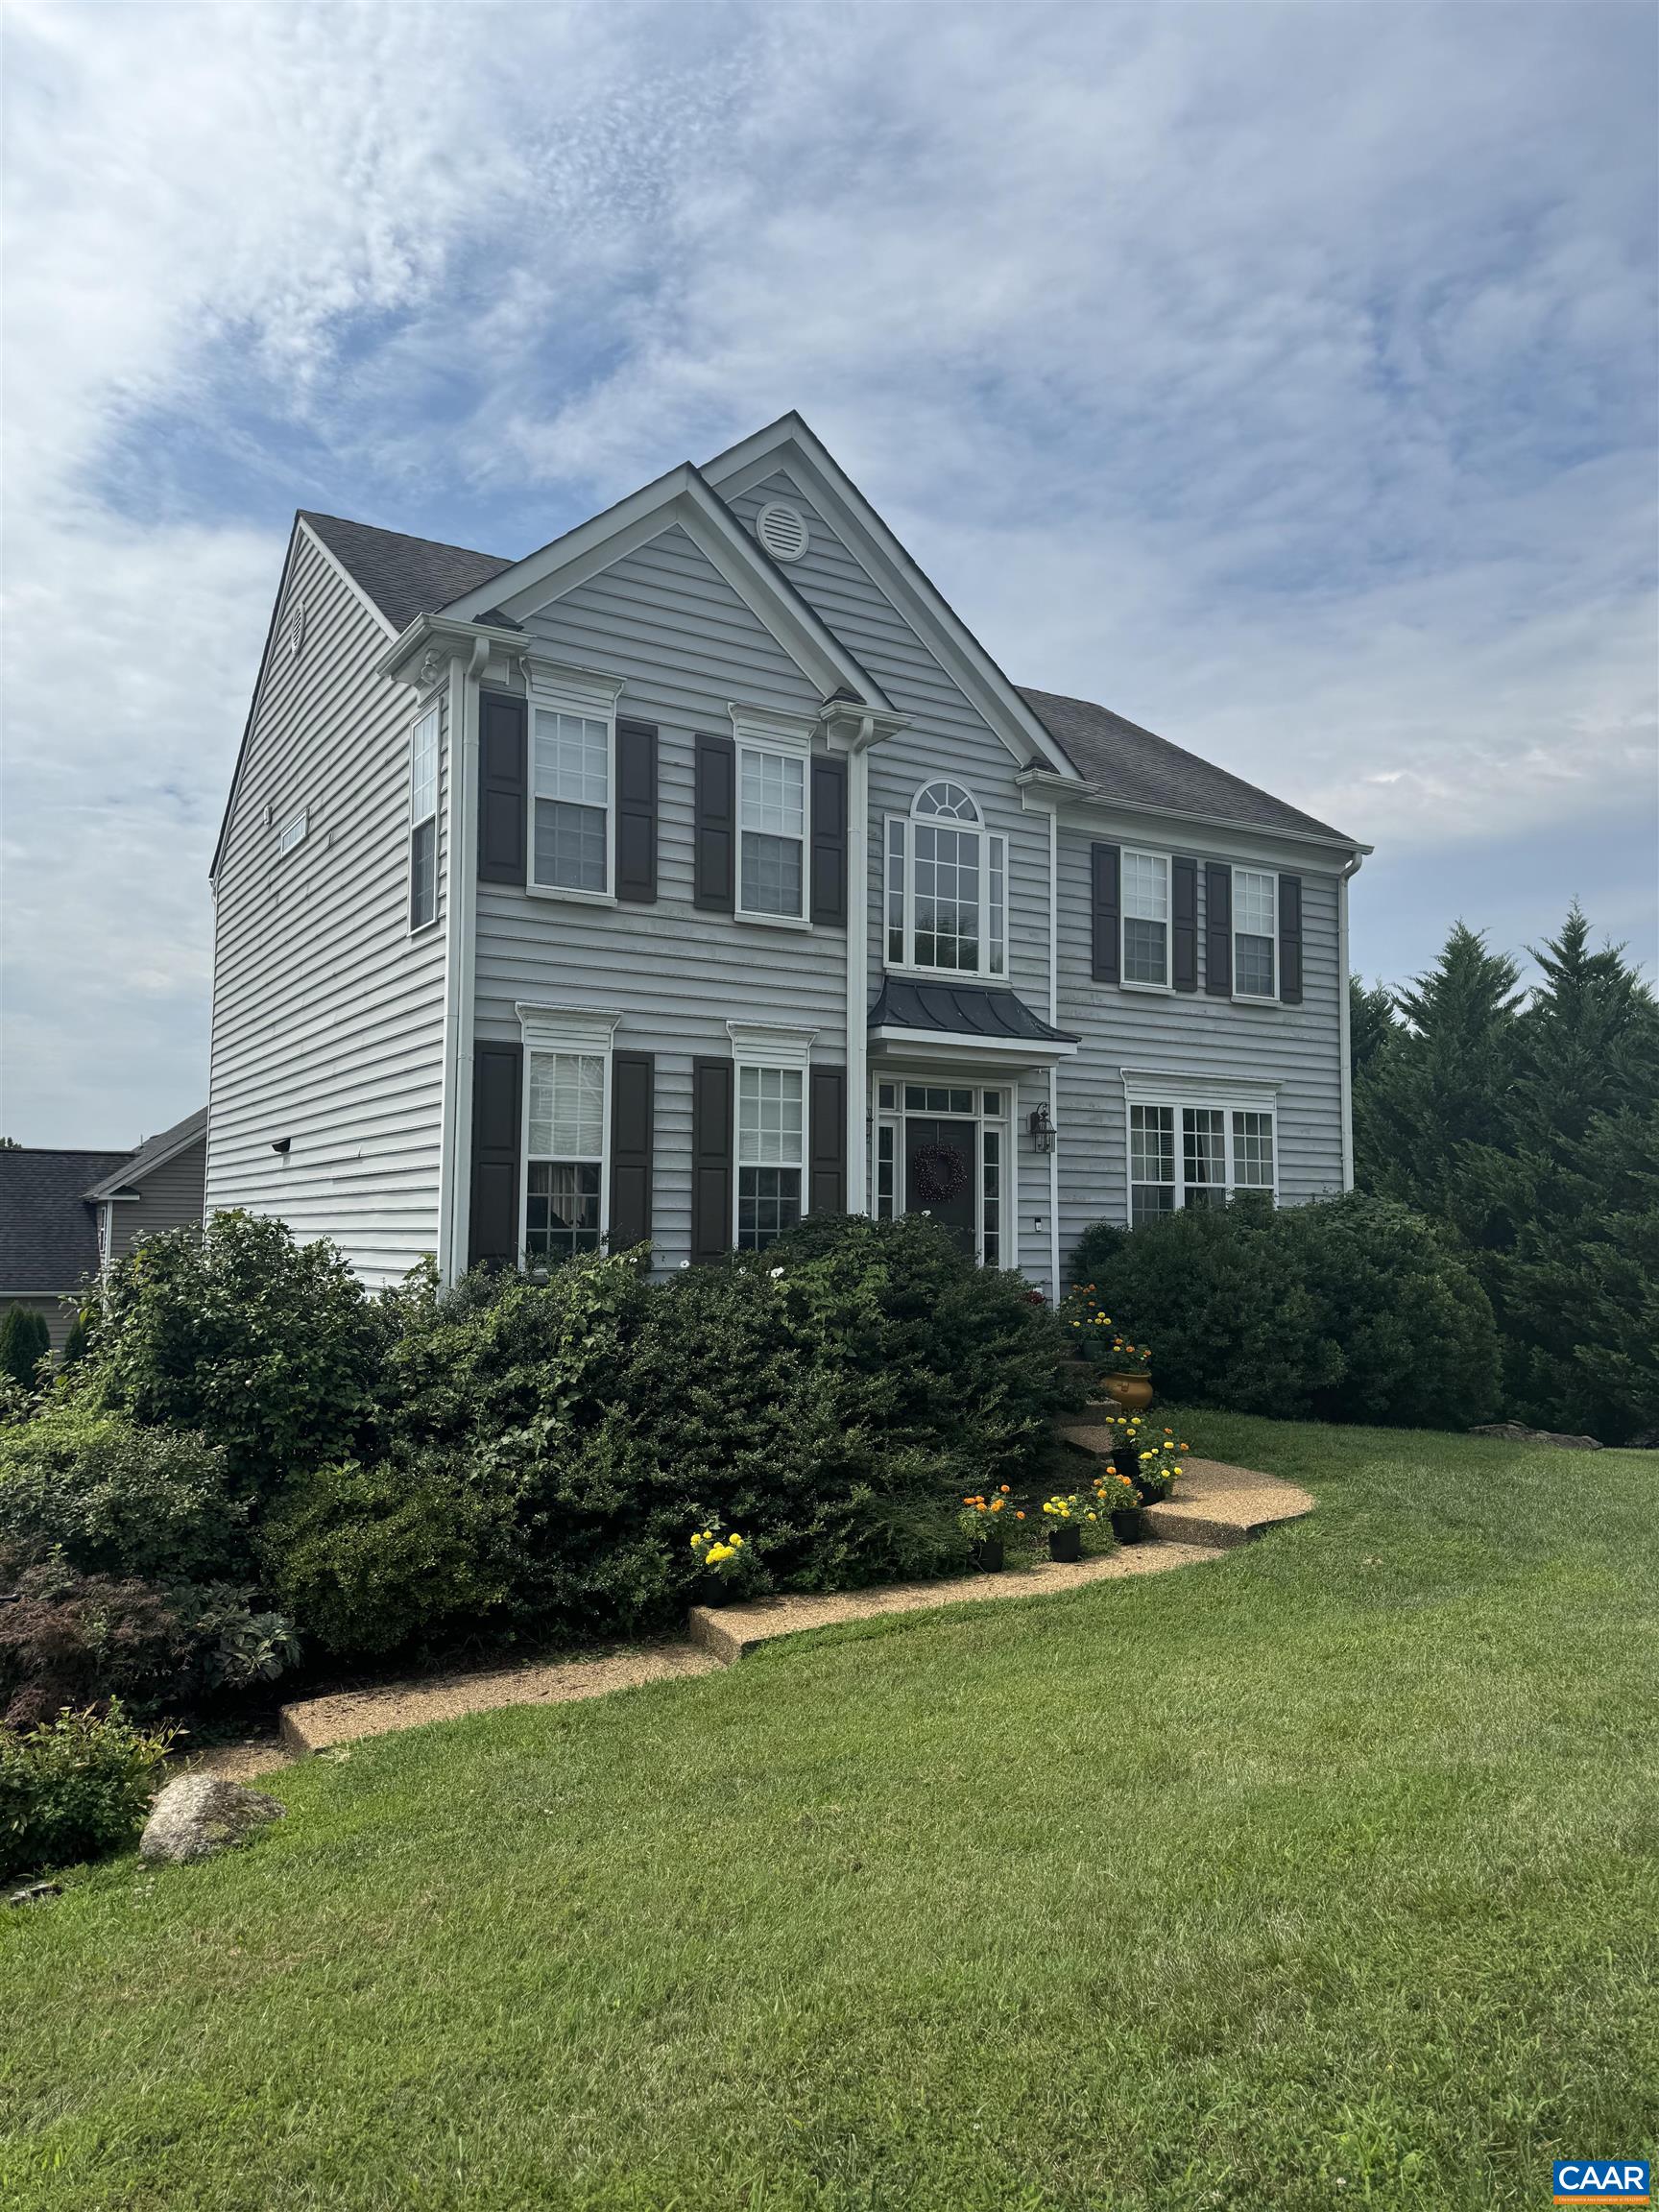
(1284, 378)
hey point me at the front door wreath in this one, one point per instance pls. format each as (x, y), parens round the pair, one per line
(940, 1173)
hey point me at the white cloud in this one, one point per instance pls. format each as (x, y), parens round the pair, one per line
(1280, 376)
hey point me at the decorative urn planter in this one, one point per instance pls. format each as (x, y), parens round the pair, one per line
(988, 1555)
(1064, 1544)
(1133, 1392)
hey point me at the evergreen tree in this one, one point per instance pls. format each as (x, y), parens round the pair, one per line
(24, 1342)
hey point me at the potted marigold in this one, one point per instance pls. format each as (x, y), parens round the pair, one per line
(1064, 1516)
(721, 1562)
(986, 1523)
(1158, 1463)
(1117, 1496)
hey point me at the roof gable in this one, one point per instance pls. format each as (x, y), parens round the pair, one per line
(790, 446)
(154, 1152)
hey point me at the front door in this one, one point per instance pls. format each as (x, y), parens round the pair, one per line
(939, 1174)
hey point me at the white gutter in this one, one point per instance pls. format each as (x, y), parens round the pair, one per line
(1054, 1070)
(1345, 1017)
(460, 964)
(857, 727)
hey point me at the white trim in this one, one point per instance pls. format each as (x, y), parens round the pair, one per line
(1175, 1102)
(769, 1045)
(1006, 1125)
(990, 842)
(582, 695)
(1165, 861)
(1252, 998)
(770, 732)
(785, 738)
(103, 1190)
(788, 447)
(458, 906)
(431, 711)
(1054, 1070)
(1166, 1087)
(857, 1006)
(1344, 1020)
(931, 1045)
(680, 499)
(564, 1028)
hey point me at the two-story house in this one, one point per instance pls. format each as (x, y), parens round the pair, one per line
(701, 869)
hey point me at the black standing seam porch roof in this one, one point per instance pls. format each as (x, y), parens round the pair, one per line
(961, 1010)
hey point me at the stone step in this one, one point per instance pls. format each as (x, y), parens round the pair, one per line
(1093, 1435)
(1222, 1506)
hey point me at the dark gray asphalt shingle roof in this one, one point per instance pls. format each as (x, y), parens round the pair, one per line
(1135, 764)
(136, 1166)
(48, 1234)
(409, 576)
(403, 576)
(960, 1010)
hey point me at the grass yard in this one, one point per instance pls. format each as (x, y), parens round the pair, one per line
(1329, 1875)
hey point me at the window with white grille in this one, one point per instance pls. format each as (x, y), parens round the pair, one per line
(423, 821)
(771, 1136)
(1197, 1154)
(566, 1155)
(946, 887)
(772, 833)
(573, 794)
(1147, 917)
(1255, 933)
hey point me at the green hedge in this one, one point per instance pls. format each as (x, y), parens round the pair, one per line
(1350, 1309)
(74, 1788)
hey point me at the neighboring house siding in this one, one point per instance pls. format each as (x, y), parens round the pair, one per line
(667, 622)
(1192, 1034)
(327, 1017)
(947, 737)
(170, 1196)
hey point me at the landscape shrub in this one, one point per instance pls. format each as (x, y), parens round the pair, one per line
(117, 1499)
(1350, 1309)
(74, 1788)
(24, 1342)
(266, 1347)
(368, 1558)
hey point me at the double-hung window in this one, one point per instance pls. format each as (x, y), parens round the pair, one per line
(423, 821)
(772, 833)
(1255, 933)
(563, 1200)
(946, 887)
(771, 1136)
(1147, 917)
(1196, 1155)
(572, 788)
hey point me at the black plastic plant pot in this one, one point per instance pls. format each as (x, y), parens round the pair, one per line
(1126, 1460)
(1064, 1544)
(1151, 1489)
(988, 1555)
(1128, 1524)
(714, 1590)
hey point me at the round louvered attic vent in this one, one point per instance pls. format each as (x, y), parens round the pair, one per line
(783, 530)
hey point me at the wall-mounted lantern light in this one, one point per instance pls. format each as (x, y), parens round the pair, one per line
(1042, 1131)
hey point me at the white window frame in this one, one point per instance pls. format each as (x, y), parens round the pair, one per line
(584, 693)
(1004, 1125)
(898, 833)
(1180, 1094)
(1165, 861)
(433, 715)
(581, 1033)
(784, 737)
(1254, 997)
(766, 1044)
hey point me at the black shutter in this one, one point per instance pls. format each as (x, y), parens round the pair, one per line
(829, 841)
(503, 793)
(1106, 876)
(827, 1187)
(1219, 931)
(1184, 924)
(714, 879)
(497, 1136)
(712, 1086)
(632, 1084)
(636, 813)
(1290, 940)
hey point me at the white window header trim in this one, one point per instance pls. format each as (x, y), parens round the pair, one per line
(768, 1045)
(573, 690)
(1159, 1087)
(760, 726)
(566, 1028)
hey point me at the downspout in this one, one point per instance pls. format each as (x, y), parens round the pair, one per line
(858, 966)
(460, 937)
(1054, 1070)
(1345, 1017)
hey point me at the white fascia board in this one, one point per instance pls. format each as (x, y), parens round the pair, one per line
(788, 447)
(680, 499)
(117, 1185)
(893, 1042)
(1091, 806)
(441, 630)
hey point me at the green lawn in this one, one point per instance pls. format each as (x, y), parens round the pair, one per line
(1326, 1875)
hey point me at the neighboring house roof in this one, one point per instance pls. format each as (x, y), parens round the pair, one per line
(1137, 766)
(961, 1010)
(403, 576)
(48, 1235)
(153, 1153)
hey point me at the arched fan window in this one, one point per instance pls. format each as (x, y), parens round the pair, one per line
(947, 885)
